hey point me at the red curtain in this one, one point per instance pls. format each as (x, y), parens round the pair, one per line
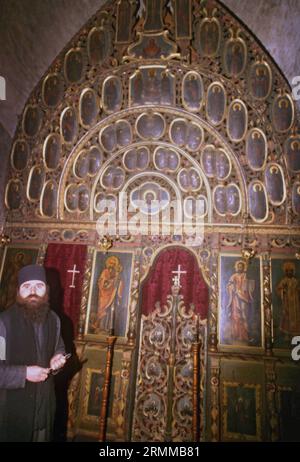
(158, 283)
(60, 258)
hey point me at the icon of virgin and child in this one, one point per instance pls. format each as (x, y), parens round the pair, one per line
(110, 288)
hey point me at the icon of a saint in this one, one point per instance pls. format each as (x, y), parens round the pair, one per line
(110, 291)
(240, 292)
(288, 290)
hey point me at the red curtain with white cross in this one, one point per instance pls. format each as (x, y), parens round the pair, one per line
(65, 264)
(169, 263)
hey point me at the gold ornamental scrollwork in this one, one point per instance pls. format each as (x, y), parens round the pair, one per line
(213, 315)
(135, 293)
(41, 254)
(85, 292)
(120, 405)
(164, 409)
(267, 303)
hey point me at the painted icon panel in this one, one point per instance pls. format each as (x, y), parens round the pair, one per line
(110, 293)
(52, 151)
(235, 57)
(275, 184)
(192, 91)
(13, 194)
(216, 103)
(53, 90)
(285, 300)
(296, 198)
(68, 124)
(88, 107)
(99, 45)
(74, 65)
(20, 154)
(32, 120)
(152, 85)
(48, 203)
(292, 153)
(258, 203)
(242, 419)
(282, 113)
(240, 317)
(35, 183)
(150, 125)
(208, 37)
(112, 94)
(256, 149)
(260, 80)
(237, 121)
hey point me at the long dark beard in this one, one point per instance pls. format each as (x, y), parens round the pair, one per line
(35, 308)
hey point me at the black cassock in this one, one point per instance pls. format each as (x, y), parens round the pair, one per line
(26, 408)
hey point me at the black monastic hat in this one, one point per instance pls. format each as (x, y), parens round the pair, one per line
(31, 273)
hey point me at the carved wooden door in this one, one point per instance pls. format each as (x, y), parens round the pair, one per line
(163, 405)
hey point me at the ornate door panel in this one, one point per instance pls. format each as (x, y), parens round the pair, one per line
(164, 391)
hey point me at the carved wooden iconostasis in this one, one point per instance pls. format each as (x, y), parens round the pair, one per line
(178, 101)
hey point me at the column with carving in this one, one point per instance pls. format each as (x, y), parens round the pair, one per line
(120, 417)
(272, 413)
(41, 255)
(196, 388)
(111, 340)
(85, 292)
(131, 335)
(215, 399)
(267, 304)
(213, 311)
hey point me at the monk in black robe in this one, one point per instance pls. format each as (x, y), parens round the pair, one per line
(31, 348)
